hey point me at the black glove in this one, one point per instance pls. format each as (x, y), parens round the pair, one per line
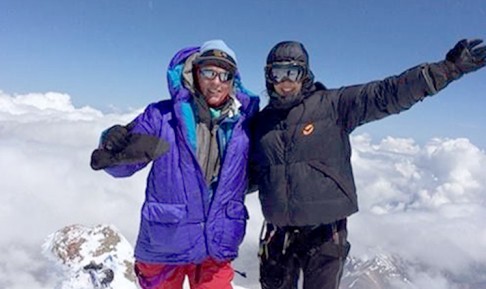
(467, 56)
(139, 148)
(115, 138)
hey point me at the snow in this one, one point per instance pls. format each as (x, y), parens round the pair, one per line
(74, 247)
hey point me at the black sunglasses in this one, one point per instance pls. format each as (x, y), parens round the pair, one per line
(276, 72)
(223, 76)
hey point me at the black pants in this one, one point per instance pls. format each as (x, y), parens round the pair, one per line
(320, 252)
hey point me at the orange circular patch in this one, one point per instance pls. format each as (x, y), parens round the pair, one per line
(308, 129)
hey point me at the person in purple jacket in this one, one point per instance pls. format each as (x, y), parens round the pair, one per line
(193, 218)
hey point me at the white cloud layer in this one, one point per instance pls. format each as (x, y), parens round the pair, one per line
(425, 204)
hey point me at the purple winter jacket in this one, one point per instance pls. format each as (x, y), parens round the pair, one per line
(179, 225)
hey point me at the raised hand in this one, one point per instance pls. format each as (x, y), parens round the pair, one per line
(467, 55)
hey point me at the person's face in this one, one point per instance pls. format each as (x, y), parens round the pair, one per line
(288, 88)
(286, 77)
(215, 84)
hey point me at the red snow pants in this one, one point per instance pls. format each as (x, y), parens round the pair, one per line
(207, 275)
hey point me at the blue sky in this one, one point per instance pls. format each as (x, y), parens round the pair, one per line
(114, 54)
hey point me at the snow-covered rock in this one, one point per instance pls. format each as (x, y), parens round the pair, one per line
(85, 258)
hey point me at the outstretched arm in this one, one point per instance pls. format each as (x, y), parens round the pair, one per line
(364, 103)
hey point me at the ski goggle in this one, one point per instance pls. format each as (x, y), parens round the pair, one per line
(210, 74)
(279, 72)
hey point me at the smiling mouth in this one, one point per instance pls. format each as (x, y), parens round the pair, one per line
(213, 91)
(287, 91)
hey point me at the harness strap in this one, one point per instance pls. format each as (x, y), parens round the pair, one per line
(289, 238)
(265, 238)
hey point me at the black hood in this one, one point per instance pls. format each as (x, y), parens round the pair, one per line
(291, 51)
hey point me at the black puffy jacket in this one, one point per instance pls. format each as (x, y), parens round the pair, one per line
(301, 156)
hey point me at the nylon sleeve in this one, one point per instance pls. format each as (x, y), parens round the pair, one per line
(364, 103)
(144, 124)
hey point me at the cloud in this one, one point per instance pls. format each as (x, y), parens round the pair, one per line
(423, 203)
(45, 147)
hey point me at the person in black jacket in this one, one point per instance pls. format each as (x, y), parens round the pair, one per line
(301, 157)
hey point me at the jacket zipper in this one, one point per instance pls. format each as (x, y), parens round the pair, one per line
(287, 141)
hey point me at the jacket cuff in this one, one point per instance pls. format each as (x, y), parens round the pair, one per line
(438, 75)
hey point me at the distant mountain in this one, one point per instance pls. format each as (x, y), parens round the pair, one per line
(392, 272)
(378, 273)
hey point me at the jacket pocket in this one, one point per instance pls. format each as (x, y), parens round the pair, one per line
(165, 228)
(234, 225)
(164, 213)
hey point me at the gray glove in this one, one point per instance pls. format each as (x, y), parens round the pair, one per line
(467, 56)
